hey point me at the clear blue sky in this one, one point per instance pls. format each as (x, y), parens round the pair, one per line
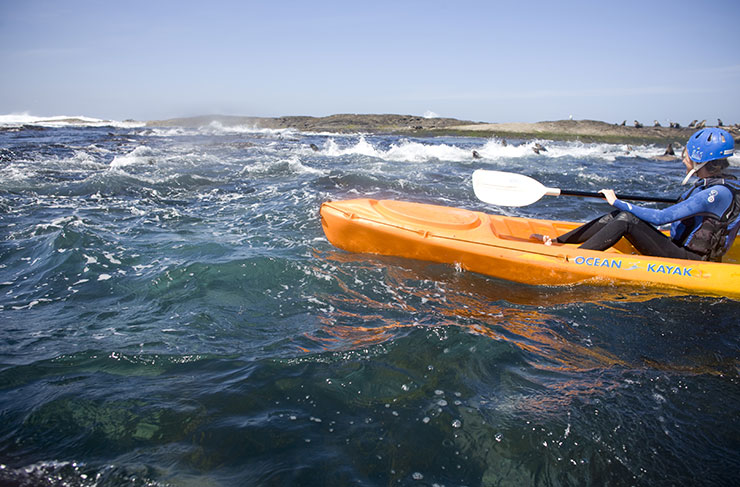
(490, 61)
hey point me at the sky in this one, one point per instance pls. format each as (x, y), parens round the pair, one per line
(491, 61)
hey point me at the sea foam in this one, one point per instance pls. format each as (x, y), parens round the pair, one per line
(140, 155)
(492, 150)
(18, 119)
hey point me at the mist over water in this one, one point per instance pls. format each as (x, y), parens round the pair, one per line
(171, 314)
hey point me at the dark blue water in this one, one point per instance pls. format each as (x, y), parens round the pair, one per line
(171, 314)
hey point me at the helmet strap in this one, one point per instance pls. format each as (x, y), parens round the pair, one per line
(693, 171)
(688, 176)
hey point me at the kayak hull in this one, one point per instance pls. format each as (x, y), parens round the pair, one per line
(501, 247)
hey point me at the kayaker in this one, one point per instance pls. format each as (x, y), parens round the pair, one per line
(704, 221)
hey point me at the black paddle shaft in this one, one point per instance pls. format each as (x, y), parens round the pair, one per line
(631, 197)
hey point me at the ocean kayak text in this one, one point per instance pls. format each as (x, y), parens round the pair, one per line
(617, 264)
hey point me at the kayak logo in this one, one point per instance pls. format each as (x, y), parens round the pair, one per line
(674, 270)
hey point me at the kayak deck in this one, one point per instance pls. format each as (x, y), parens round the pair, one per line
(500, 246)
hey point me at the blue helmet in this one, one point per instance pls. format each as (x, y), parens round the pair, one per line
(710, 144)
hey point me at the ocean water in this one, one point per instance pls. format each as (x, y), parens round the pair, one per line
(171, 314)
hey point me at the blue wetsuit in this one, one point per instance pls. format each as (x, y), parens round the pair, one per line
(714, 201)
(637, 224)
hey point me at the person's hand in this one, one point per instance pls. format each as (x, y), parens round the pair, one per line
(609, 195)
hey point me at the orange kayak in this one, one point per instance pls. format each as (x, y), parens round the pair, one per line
(500, 246)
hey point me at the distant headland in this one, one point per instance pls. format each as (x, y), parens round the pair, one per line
(585, 130)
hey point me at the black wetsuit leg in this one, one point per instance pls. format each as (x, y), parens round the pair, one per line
(587, 230)
(602, 233)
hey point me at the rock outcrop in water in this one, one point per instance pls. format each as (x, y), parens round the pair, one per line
(586, 130)
(341, 123)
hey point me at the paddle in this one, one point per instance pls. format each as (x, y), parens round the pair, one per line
(511, 189)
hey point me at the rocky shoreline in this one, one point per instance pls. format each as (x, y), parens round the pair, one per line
(584, 130)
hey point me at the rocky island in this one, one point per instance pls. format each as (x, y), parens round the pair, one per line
(585, 130)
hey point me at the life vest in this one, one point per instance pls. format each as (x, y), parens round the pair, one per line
(706, 235)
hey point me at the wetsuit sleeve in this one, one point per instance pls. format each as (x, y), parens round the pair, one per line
(714, 201)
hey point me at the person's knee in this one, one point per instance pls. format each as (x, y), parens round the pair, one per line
(627, 217)
(609, 217)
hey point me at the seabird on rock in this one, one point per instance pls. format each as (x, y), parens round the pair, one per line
(701, 124)
(638, 124)
(692, 124)
(719, 122)
(656, 123)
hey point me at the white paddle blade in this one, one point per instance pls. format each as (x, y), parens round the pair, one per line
(508, 189)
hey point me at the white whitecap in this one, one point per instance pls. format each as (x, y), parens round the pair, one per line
(15, 119)
(140, 155)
